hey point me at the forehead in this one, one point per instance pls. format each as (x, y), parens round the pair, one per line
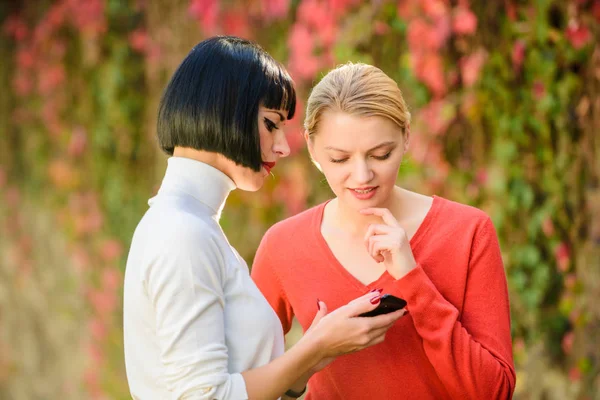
(347, 131)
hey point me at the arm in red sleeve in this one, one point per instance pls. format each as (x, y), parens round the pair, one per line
(471, 352)
(264, 274)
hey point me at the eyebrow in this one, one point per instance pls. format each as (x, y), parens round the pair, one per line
(384, 144)
(281, 118)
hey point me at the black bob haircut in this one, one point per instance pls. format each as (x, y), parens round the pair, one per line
(211, 103)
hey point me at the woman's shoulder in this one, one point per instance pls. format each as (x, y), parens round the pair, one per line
(295, 226)
(454, 215)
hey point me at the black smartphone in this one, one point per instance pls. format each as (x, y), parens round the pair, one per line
(387, 305)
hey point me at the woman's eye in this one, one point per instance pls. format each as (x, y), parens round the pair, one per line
(270, 125)
(383, 157)
(337, 160)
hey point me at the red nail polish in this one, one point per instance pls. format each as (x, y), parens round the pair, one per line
(375, 300)
(318, 305)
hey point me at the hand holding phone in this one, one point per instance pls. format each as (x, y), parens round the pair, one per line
(387, 305)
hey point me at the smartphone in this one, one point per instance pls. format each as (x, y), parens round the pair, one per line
(387, 305)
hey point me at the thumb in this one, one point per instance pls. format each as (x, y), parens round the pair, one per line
(322, 311)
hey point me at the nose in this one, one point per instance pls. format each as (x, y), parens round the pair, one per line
(362, 172)
(281, 146)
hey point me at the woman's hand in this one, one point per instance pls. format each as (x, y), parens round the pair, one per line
(342, 331)
(389, 244)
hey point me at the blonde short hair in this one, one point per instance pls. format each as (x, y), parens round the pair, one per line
(357, 89)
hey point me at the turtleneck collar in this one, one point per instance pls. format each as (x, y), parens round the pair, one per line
(202, 181)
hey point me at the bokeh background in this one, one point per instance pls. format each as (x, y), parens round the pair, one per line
(505, 97)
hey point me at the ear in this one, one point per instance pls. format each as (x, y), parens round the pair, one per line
(407, 137)
(311, 149)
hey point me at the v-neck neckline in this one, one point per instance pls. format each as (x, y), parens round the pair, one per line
(416, 239)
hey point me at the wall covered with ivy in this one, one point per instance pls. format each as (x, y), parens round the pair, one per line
(506, 103)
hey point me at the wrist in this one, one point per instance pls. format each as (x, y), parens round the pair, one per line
(405, 264)
(312, 346)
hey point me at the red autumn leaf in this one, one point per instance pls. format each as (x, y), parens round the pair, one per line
(562, 256)
(538, 90)
(236, 23)
(518, 54)
(110, 250)
(381, 28)
(567, 342)
(431, 72)
(434, 8)
(207, 13)
(578, 34)
(470, 67)
(138, 40)
(464, 21)
(423, 36)
(77, 143)
(274, 9)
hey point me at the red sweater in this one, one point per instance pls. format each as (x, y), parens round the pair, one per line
(455, 342)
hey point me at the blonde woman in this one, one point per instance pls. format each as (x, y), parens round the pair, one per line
(442, 257)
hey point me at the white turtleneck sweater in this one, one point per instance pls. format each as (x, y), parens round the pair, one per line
(193, 318)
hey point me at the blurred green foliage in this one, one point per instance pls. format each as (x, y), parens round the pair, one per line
(506, 112)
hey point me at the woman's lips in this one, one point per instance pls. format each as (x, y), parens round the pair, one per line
(268, 166)
(364, 193)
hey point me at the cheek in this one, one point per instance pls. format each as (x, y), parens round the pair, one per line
(266, 142)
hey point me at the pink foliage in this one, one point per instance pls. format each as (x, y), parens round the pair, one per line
(110, 250)
(138, 40)
(207, 13)
(423, 36)
(567, 342)
(575, 374)
(22, 84)
(563, 257)
(78, 142)
(302, 63)
(103, 302)
(434, 8)
(61, 173)
(538, 89)
(464, 21)
(236, 23)
(430, 70)
(25, 57)
(518, 55)
(381, 28)
(50, 79)
(80, 259)
(98, 329)
(15, 26)
(578, 34)
(548, 227)
(111, 278)
(470, 67)
(274, 9)
(433, 116)
(88, 16)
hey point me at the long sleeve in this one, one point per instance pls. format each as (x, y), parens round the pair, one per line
(185, 286)
(265, 276)
(470, 351)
